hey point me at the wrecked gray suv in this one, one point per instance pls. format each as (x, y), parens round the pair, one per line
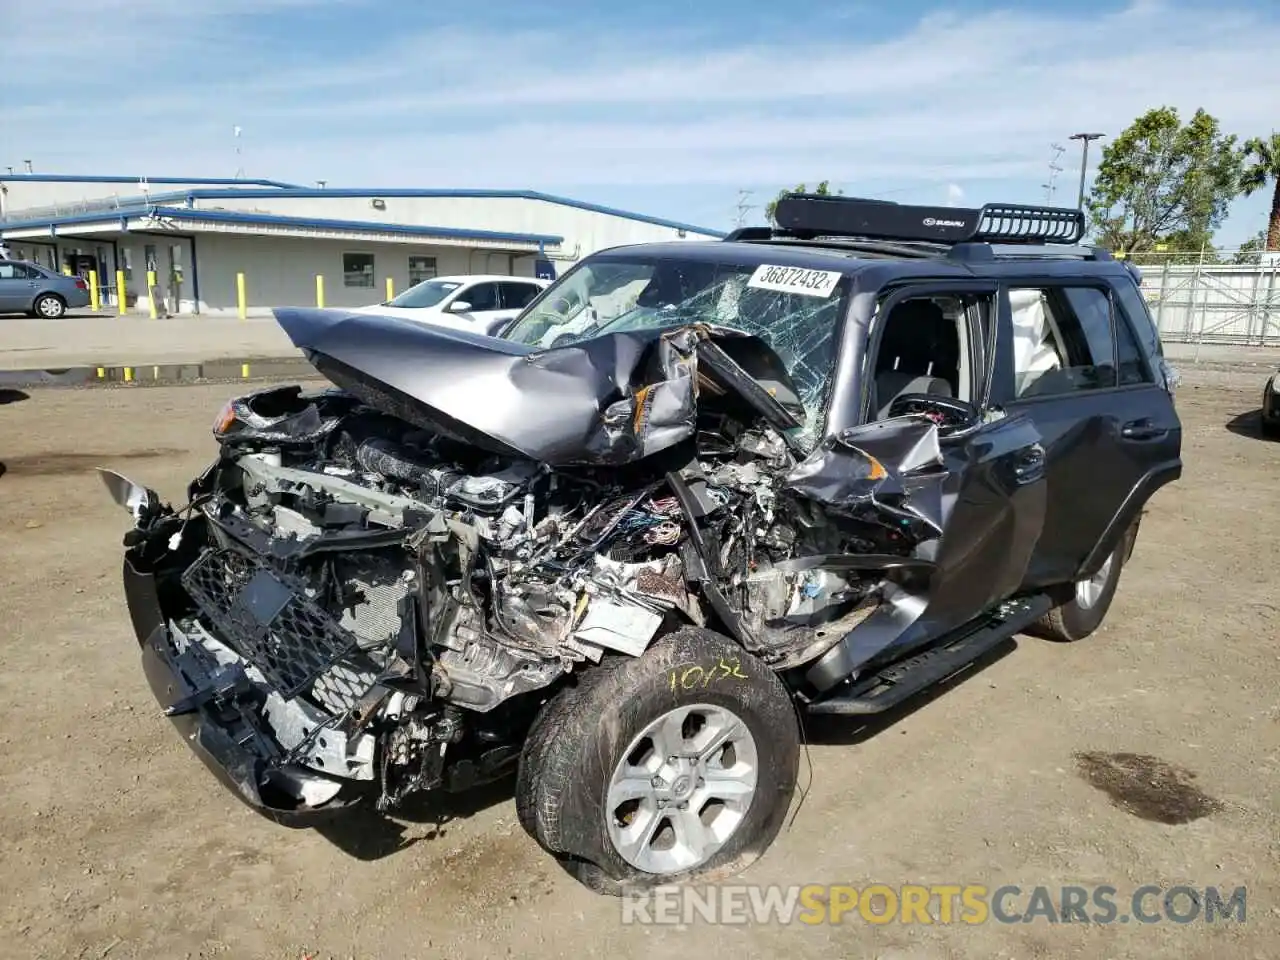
(696, 491)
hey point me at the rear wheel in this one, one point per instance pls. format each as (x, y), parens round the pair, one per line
(1270, 425)
(50, 306)
(1084, 612)
(678, 764)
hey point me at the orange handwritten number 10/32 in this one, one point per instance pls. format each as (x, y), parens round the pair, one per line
(693, 676)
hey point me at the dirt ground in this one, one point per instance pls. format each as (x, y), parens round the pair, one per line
(115, 842)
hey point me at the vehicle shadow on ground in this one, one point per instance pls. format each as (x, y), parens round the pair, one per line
(367, 834)
(845, 731)
(10, 396)
(1248, 425)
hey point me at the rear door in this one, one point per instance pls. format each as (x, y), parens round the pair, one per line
(1068, 359)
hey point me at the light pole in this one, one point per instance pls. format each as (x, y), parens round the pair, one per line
(1084, 139)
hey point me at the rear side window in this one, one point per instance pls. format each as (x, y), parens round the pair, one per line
(1130, 300)
(1132, 367)
(16, 271)
(1062, 340)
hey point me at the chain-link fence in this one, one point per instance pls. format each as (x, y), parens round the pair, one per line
(1213, 296)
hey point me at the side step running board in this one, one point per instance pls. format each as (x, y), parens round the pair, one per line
(899, 681)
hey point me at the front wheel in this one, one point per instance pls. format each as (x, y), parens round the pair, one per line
(49, 306)
(677, 764)
(1088, 606)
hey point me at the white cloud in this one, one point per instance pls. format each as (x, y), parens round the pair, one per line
(972, 99)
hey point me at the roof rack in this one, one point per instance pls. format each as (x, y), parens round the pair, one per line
(808, 215)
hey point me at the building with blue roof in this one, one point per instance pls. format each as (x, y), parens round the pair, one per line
(197, 236)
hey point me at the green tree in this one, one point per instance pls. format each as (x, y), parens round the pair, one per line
(1262, 166)
(1182, 246)
(1161, 180)
(823, 190)
(1250, 252)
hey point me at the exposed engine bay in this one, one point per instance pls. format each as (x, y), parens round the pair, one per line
(377, 598)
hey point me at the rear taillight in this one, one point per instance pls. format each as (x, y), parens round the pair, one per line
(80, 284)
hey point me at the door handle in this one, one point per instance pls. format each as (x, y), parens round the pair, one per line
(1142, 430)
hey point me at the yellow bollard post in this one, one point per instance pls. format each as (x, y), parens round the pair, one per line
(120, 304)
(391, 289)
(66, 271)
(128, 374)
(151, 293)
(319, 290)
(94, 300)
(241, 303)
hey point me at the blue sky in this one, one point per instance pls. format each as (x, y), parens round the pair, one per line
(664, 107)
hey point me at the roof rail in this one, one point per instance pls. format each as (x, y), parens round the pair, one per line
(749, 234)
(808, 215)
(981, 252)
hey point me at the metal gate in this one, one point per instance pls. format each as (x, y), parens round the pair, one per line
(1213, 303)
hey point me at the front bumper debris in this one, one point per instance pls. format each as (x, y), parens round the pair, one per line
(208, 718)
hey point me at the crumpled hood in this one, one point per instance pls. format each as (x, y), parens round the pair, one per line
(610, 399)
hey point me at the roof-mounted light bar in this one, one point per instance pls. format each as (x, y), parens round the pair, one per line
(807, 215)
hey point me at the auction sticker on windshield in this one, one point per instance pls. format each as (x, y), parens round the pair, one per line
(812, 283)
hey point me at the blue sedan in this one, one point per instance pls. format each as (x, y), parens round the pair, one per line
(29, 288)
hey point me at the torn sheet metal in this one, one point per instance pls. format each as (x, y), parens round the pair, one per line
(895, 465)
(284, 414)
(612, 399)
(626, 628)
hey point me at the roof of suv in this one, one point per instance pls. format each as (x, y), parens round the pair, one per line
(853, 235)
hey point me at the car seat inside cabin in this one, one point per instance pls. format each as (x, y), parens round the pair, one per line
(920, 352)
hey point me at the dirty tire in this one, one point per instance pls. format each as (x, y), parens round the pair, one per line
(1073, 620)
(49, 306)
(1268, 428)
(579, 738)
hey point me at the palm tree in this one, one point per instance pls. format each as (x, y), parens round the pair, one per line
(1262, 159)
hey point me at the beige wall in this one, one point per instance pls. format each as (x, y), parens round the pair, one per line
(278, 271)
(282, 271)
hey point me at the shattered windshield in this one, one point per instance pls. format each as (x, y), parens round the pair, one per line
(795, 311)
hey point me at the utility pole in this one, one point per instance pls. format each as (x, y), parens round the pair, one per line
(1084, 139)
(742, 208)
(1055, 168)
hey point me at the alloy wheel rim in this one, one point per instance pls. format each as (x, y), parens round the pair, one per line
(682, 789)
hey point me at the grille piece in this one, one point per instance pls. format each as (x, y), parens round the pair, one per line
(266, 617)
